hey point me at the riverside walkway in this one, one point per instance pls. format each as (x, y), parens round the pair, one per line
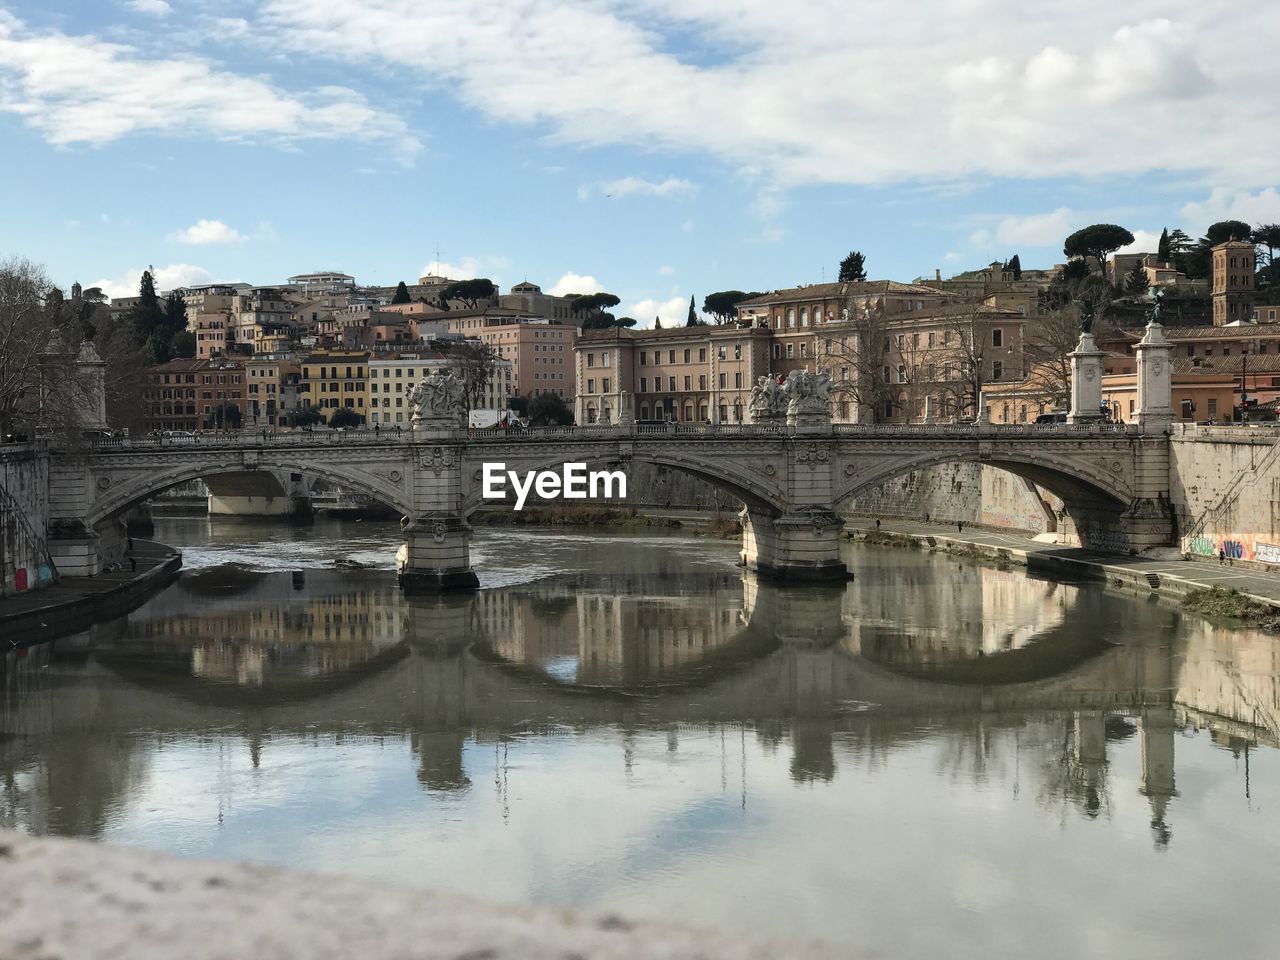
(1172, 574)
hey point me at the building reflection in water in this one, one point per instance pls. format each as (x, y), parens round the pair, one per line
(837, 676)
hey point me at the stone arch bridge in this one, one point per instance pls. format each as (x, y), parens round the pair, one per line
(1113, 479)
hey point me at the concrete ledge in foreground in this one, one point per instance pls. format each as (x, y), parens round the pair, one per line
(72, 899)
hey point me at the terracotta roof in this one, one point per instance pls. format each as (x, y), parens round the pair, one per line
(1266, 363)
(614, 334)
(1252, 331)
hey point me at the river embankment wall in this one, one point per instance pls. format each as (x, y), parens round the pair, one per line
(1224, 486)
(24, 518)
(969, 493)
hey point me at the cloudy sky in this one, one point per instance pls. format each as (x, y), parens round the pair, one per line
(654, 148)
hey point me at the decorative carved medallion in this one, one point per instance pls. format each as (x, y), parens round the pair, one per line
(438, 460)
(438, 530)
(104, 482)
(814, 454)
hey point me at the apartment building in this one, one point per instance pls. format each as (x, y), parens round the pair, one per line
(333, 379)
(272, 392)
(186, 394)
(686, 374)
(540, 351)
(392, 379)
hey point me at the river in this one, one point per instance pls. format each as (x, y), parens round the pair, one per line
(938, 759)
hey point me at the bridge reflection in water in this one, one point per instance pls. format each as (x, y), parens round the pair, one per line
(840, 673)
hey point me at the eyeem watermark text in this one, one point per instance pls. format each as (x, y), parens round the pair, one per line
(571, 483)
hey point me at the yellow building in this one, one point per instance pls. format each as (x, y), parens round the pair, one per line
(334, 379)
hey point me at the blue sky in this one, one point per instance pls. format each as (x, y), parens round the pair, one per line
(652, 148)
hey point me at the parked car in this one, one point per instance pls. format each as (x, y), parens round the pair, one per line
(1051, 418)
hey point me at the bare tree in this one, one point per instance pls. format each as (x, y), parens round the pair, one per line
(856, 353)
(963, 354)
(473, 362)
(40, 388)
(1051, 336)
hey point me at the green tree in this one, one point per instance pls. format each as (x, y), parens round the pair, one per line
(853, 268)
(184, 345)
(1163, 253)
(305, 417)
(468, 292)
(1225, 230)
(345, 417)
(225, 416)
(401, 294)
(149, 322)
(593, 309)
(657, 323)
(693, 320)
(1014, 266)
(1136, 283)
(1098, 240)
(548, 410)
(723, 305)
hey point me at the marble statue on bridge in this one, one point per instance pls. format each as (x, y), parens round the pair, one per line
(767, 401)
(439, 400)
(808, 397)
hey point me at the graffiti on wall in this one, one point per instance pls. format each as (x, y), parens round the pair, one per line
(1233, 546)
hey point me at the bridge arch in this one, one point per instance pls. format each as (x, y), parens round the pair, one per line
(118, 498)
(1073, 481)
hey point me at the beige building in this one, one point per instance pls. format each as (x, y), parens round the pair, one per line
(272, 392)
(896, 353)
(392, 379)
(334, 379)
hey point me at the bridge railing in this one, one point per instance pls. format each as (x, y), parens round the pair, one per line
(391, 436)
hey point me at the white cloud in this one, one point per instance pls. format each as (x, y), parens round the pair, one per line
(467, 268)
(79, 89)
(575, 283)
(154, 8)
(208, 232)
(174, 275)
(1034, 230)
(1144, 241)
(666, 270)
(626, 186)
(674, 312)
(1090, 88)
(1227, 204)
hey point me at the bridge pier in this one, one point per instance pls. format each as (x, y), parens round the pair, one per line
(436, 555)
(795, 546)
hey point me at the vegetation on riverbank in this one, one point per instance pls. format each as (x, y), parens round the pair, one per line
(572, 517)
(721, 528)
(1233, 605)
(882, 538)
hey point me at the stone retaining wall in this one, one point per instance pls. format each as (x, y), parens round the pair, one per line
(24, 517)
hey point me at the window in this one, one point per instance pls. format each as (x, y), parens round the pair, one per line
(804, 350)
(1213, 408)
(591, 359)
(902, 373)
(688, 382)
(997, 337)
(737, 349)
(702, 381)
(671, 356)
(791, 316)
(702, 355)
(997, 369)
(686, 356)
(644, 384)
(591, 386)
(643, 358)
(671, 384)
(604, 385)
(604, 358)
(737, 380)
(791, 351)
(804, 316)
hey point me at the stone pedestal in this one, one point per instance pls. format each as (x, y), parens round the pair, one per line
(626, 410)
(1155, 380)
(92, 374)
(1086, 381)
